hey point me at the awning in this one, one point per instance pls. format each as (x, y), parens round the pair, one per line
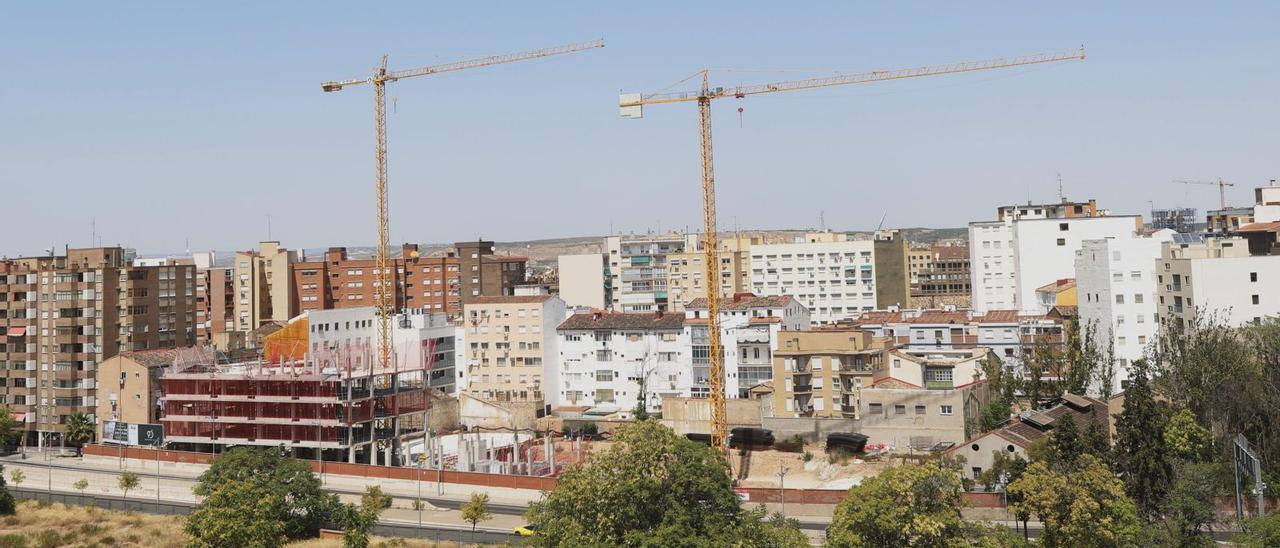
(19, 331)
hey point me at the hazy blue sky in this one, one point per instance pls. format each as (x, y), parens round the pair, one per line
(171, 123)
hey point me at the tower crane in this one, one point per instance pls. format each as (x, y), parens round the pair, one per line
(384, 289)
(1222, 188)
(631, 105)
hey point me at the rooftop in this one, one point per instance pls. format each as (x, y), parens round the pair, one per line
(622, 320)
(510, 299)
(1031, 426)
(745, 301)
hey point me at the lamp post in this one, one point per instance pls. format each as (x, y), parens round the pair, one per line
(782, 489)
(421, 459)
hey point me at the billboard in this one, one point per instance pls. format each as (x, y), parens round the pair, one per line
(123, 433)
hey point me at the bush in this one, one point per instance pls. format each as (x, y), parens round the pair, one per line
(808, 456)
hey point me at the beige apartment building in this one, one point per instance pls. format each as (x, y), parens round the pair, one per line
(819, 373)
(510, 350)
(263, 286)
(63, 315)
(685, 271)
(129, 387)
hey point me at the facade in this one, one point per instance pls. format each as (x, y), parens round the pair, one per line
(584, 280)
(749, 327)
(638, 270)
(61, 316)
(685, 271)
(833, 280)
(950, 331)
(511, 348)
(820, 373)
(484, 274)
(1265, 209)
(215, 307)
(616, 360)
(1060, 292)
(263, 289)
(129, 387)
(918, 259)
(1116, 290)
(943, 278)
(1215, 277)
(420, 339)
(1179, 219)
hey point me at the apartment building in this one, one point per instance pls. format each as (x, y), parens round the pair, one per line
(129, 387)
(819, 373)
(942, 278)
(1216, 277)
(584, 280)
(835, 280)
(1116, 294)
(615, 361)
(1265, 209)
(263, 289)
(685, 271)
(511, 348)
(436, 284)
(63, 315)
(421, 340)
(1061, 292)
(638, 270)
(918, 258)
(1030, 246)
(749, 327)
(1005, 332)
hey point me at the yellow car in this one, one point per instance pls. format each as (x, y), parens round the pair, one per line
(526, 530)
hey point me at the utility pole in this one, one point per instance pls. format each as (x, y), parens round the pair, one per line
(782, 487)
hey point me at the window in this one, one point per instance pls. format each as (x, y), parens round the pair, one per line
(1117, 276)
(919, 409)
(875, 408)
(604, 375)
(899, 409)
(1062, 242)
(1137, 298)
(1255, 299)
(1253, 276)
(945, 410)
(1119, 298)
(1063, 227)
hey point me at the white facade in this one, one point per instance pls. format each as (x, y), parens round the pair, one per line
(1216, 277)
(749, 329)
(834, 280)
(638, 270)
(1116, 288)
(991, 266)
(419, 339)
(605, 357)
(582, 280)
(511, 348)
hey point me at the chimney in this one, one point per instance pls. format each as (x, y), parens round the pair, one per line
(596, 315)
(658, 315)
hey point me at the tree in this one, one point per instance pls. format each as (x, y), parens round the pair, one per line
(1260, 532)
(650, 488)
(902, 506)
(1186, 439)
(1187, 511)
(8, 506)
(8, 427)
(1141, 457)
(1085, 508)
(1096, 440)
(79, 431)
(1065, 447)
(358, 521)
(17, 476)
(298, 501)
(128, 481)
(80, 485)
(476, 510)
(236, 513)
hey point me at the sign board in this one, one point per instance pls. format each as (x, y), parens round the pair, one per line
(743, 494)
(123, 433)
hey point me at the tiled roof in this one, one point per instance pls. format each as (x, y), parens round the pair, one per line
(160, 357)
(623, 320)
(745, 302)
(941, 316)
(1057, 285)
(998, 316)
(510, 299)
(1260, 227)
(1023, 431)
(951, 252)
(890, 382)
(879, 316)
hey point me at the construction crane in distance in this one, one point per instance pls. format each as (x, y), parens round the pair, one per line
(631, 105)
(384, 289)
(1222, 188)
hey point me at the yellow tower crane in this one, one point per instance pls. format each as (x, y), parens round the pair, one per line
(384, 291)
(631, 105)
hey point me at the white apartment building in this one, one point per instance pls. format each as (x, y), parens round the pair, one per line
(749, 327)
(419, 339)
(584, 280)
(511, 348)
(1116, 288)
(637, 271)
(834, 280)
(606, 357)
(1216, 277)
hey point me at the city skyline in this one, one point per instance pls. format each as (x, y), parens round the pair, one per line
(119, 103)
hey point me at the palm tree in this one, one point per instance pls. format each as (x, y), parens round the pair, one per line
(79, 431)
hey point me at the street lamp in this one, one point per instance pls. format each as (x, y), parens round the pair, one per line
(782, 489)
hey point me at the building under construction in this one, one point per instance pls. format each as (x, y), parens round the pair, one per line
(330, 399)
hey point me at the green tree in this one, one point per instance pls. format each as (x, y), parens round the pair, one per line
(1087, 507)
(476, 510)
(358, 521)
(1065, 447)
(8, 506)
(650, 488)
(79, 430)
(902, 506)
(298, 501)
(9, 427)
(81, 484)
(1096, 440)
(1261, 532)
(1187, 511)
(236, 513)
(128, 481)
(1186, 439)
(1140, 454)
(17, 476)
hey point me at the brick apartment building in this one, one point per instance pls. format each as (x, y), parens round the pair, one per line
(61, 316)
(215, 307)
(433, 284)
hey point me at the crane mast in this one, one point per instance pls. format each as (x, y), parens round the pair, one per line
(385, 285)
(631, 106)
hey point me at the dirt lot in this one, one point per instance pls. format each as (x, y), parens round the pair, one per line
(820, 472)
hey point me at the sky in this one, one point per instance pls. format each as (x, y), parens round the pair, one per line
(171, 127)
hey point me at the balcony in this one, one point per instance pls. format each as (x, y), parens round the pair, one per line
(802, 388)
(849, 409)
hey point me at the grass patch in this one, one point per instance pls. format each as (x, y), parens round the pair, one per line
(38, 525)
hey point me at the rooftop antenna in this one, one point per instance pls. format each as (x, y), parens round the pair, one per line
(268, 227)
(1061, 198)
(881, 225)
(94, 238)
(822, 220)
